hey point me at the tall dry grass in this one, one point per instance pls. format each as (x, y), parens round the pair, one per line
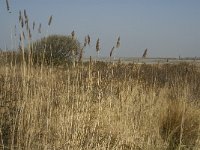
(100, 106)
(96, 105)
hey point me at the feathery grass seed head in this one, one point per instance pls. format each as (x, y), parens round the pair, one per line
(7, 5)
(25, 15)
(97, 45)
(20, 16)
(33, 25)
(85, 41)
(39, 29)
(29, 33)
(145, 53)
(22, 22)
(111, 52)
(118, 42)
(50, 20)
(15, 30)
(88, 39)
(73, 34)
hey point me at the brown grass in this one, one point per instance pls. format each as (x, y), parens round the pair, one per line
(180, 125)
(100, 106)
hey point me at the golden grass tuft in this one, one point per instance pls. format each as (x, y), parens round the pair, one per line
(180, 125)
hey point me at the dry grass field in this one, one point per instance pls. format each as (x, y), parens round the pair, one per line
(98, 105)
(95, 105)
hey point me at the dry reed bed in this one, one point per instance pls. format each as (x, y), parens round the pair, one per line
(100, 106)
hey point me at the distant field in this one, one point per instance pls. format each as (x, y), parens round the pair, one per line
(139, 60)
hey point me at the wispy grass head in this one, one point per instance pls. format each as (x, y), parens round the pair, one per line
(50, 20)
(15, 30)
(88, 39)
(7, 5)
(25, 14)
(29, 33)
(27, 25)
(81, 54)
(23, 34)
(85, 41)
(22, 22)
(39, 29)
(145, 53)
(111, 52)
(97, 45)
(33, 25)
(118, 42)
(20, 16)
(73, 34)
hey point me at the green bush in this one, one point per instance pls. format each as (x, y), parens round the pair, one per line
(55, 49)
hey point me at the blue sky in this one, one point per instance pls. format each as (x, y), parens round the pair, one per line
(167, 28)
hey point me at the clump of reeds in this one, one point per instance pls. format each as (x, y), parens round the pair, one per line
(180, 125)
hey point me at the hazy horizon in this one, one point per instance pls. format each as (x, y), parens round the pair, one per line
(167, 28)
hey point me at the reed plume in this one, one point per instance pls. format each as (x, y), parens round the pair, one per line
(85, 41)
(111, 52)
(7, 5)
(29, 33)
(25, 15)
(33, 25)
(20, 38)
(26, 23)
(24, 37)
(145, 53)
(97, 45)
(22, 22)
(88, 39)
(73, 34)
(50, 20)
(118, 42)
(81, 54)
(39, 29)
(20, 16)
(15, 30)
(26, 20)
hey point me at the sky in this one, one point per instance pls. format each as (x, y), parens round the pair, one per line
(167, 28)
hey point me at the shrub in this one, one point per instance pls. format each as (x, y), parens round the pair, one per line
(55, 49)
